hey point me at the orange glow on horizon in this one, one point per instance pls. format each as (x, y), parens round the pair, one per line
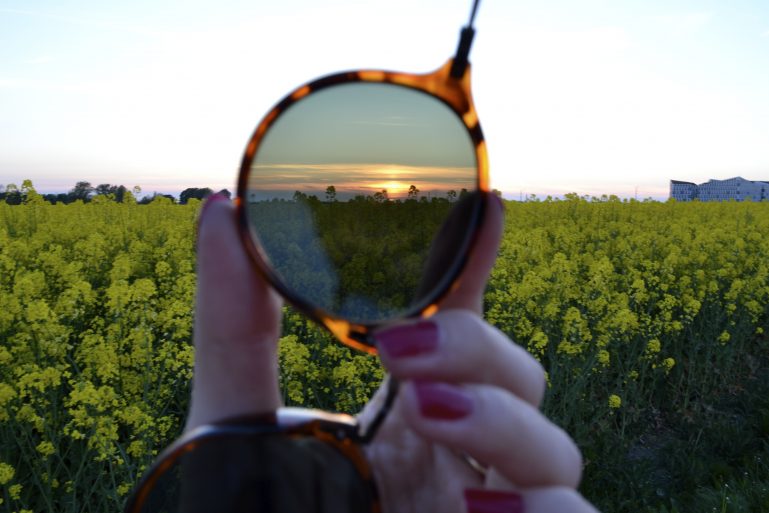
(366, 178)
(392, 187)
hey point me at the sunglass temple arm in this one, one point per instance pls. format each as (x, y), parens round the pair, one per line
(459, 65)
(371, 429)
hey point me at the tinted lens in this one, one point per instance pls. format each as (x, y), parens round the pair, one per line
(348, 190)
(258, 474)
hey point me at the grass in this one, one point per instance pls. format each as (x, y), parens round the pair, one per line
(712, 458)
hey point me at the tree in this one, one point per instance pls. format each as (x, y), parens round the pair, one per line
(156, 196)
(330, 193)
(413, 192)
(55, 198)
(12, 194)
(104, 189)
(194, 193)
(117, 191)
(381, 197)
(81, 191)
(451, 195)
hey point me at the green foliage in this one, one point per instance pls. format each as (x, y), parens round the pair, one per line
(318, 372)
(95, 354)
(363, 259)
(194, 193)
(651, 320)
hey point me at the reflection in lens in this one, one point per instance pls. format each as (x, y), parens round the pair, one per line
(348, 190)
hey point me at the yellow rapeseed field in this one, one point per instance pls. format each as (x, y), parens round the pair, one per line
(633, 308)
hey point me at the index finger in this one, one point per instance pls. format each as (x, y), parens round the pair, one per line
(468, 292)
(237, 324)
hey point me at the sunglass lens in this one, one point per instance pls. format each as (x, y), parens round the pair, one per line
(348, 190)
(258, 474)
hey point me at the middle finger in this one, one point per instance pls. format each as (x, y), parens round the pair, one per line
(458, 346)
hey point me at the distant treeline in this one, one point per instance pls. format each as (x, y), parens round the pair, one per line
(85, 192)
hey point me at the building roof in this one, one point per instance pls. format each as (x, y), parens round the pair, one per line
(679, 182)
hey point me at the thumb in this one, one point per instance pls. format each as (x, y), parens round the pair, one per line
(468, 293)
(237, 325)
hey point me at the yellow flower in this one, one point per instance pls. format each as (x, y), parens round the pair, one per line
(46, 448)
(615, 401)
(6, 473)
(538, 343)
(124, 488)
(5, 356)
(604, 357)
(668, 363)
(136, 448)
(724, 337)
(14, 491)
(653, 347)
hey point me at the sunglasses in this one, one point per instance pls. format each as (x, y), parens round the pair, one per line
(360, 197)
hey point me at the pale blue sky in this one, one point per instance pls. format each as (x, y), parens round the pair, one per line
(592, 96)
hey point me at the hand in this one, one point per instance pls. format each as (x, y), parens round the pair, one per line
(466, 390)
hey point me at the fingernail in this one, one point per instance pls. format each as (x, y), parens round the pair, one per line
(442, 401)
(214, 198)
(409, 340)
(492, 501)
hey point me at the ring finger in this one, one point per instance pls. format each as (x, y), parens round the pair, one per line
(457, 346)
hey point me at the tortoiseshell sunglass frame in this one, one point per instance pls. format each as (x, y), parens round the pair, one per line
(441, 84)
(339, 431)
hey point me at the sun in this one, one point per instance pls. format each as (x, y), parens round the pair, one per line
(392, 187)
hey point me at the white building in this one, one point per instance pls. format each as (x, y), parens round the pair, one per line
(736, 188)
(683, 191)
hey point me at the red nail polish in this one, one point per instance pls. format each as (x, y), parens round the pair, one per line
(410, 340)
(442, 401)
(493, 501)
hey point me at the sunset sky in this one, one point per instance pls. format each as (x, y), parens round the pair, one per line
(593, 97)
(363, 138)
